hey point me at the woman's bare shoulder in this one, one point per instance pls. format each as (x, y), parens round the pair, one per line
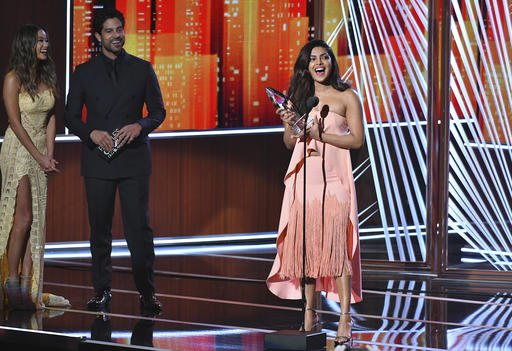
(350, 95)
(12, 81)
(339, 101)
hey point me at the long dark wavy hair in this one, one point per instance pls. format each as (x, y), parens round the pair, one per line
(302, 85)
(24, 62)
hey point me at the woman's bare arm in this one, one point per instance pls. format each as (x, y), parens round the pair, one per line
(11, 92)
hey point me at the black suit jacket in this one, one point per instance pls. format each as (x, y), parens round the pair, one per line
(112, 106)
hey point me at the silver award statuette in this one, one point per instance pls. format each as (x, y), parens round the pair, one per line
(279, 100)
(108, 155)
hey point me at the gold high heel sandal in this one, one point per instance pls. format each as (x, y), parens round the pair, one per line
(13, 293)
(25, 285)
(344, 342)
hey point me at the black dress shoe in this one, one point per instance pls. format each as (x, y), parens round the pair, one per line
(150, 306)
(100, 302)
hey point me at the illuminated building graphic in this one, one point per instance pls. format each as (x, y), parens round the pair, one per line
(83, 45)
(261, 40)
(213, 59)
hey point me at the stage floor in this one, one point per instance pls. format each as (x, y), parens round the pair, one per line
(215, 298)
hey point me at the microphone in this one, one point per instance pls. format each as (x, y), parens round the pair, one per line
(311, 102)
(325, 111)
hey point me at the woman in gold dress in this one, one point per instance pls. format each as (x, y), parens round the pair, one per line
(26, 157)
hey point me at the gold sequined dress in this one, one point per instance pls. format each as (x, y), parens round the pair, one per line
(16, 162)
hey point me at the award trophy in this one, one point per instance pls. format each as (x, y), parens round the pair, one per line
(109, 155)
(279, 100)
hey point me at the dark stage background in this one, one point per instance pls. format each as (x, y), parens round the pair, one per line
(50, 14)
(207, 185)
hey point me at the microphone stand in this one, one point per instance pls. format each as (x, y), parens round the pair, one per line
(299, 339)
(311, 102)
(303, 279)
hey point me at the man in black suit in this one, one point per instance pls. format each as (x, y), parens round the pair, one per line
(114, 86)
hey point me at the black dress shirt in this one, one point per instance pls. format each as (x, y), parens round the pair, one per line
(113, 66)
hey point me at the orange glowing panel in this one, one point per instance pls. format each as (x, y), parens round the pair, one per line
(213, 59)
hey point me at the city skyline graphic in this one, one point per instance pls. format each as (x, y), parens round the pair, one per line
(213, 59)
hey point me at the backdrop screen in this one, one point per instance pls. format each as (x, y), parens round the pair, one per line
(213, 59)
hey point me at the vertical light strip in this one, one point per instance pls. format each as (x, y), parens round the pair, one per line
(360, 88)
(397, 154)
(408, 109)
(379, 133)
(480, 186)
(491, 76)
(418, 40)
(336, 31)
(391, 112)
(399, 148)
(490, 69)
(459, 133)
(69, 9)
(468, 156)
(508, 30)
(495, 24)
(480, 178)
(365, 88)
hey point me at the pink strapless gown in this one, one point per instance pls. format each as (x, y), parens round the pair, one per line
(332, 236)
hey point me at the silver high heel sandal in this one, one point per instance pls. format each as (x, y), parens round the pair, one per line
(316, 325)
(344, 342)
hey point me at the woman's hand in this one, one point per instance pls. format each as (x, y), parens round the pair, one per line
(316, 129)
(47, 163)
(289, 119)
(53, 165)
(286, 116)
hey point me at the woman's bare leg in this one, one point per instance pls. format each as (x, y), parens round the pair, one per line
(344, 284)
(19, 234)
(309, 315)
(26, 267)
(18, 238)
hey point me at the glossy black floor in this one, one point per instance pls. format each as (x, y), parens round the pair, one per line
(215, 298)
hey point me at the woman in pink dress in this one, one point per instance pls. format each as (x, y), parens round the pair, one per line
(332, 238)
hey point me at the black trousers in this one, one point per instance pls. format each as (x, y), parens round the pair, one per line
(134, 198)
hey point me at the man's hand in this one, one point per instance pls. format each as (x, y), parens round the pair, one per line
(128, 133)
(103, 139)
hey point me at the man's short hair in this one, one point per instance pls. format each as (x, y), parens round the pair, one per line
(101, 15)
